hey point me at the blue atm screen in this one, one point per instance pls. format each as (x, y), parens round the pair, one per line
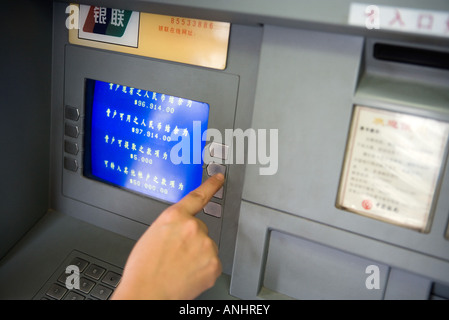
(144, 141)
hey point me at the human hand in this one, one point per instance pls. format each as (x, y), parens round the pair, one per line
(174, 258)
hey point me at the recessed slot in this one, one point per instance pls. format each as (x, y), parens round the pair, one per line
(421, 57)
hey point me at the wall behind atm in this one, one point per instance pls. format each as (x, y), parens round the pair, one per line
(25, 58)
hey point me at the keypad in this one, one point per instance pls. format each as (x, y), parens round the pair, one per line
(97, 280)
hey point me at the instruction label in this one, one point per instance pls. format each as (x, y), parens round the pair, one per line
(392, 166)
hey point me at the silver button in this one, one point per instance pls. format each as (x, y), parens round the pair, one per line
(213, 209)
(218, 150)
(214, 168)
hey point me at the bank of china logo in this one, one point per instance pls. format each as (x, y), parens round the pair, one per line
(107, 21)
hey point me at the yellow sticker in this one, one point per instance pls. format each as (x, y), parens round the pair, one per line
(185, 40)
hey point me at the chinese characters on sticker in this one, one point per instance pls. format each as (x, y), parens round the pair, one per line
(392, 166)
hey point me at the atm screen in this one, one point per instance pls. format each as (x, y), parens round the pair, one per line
(145, 142)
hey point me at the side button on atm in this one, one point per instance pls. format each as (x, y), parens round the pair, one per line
(71, 147)
(71, 131)
(218, 150)
(72, 113)
(213, 209)
(70, 164)
(214, 168)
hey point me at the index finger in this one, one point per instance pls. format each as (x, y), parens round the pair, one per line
(194, 201)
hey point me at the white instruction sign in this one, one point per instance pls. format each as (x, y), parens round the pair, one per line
(392, 166)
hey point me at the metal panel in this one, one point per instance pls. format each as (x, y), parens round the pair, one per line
(407, 286)
(307, 270)
(253, 246)
(25, 117)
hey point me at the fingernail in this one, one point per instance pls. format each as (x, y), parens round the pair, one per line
(219, 176)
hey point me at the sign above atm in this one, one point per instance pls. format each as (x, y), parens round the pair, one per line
(191, 41)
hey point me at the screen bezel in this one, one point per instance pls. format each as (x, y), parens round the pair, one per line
(218, 89)
(89, 85)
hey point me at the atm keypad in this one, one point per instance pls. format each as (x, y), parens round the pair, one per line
(97, 280)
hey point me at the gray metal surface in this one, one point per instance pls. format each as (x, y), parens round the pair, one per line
(25, 118)
(301, 235)
(407, 286)
(28, 266)
(307, 85)
(313, 76)
(312, 271)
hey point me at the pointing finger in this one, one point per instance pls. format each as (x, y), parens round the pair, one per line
(193, 202)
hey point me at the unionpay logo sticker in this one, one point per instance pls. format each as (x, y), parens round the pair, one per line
(109, 25)
(107, 21)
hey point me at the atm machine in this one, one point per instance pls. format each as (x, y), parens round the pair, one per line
(329, 119)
